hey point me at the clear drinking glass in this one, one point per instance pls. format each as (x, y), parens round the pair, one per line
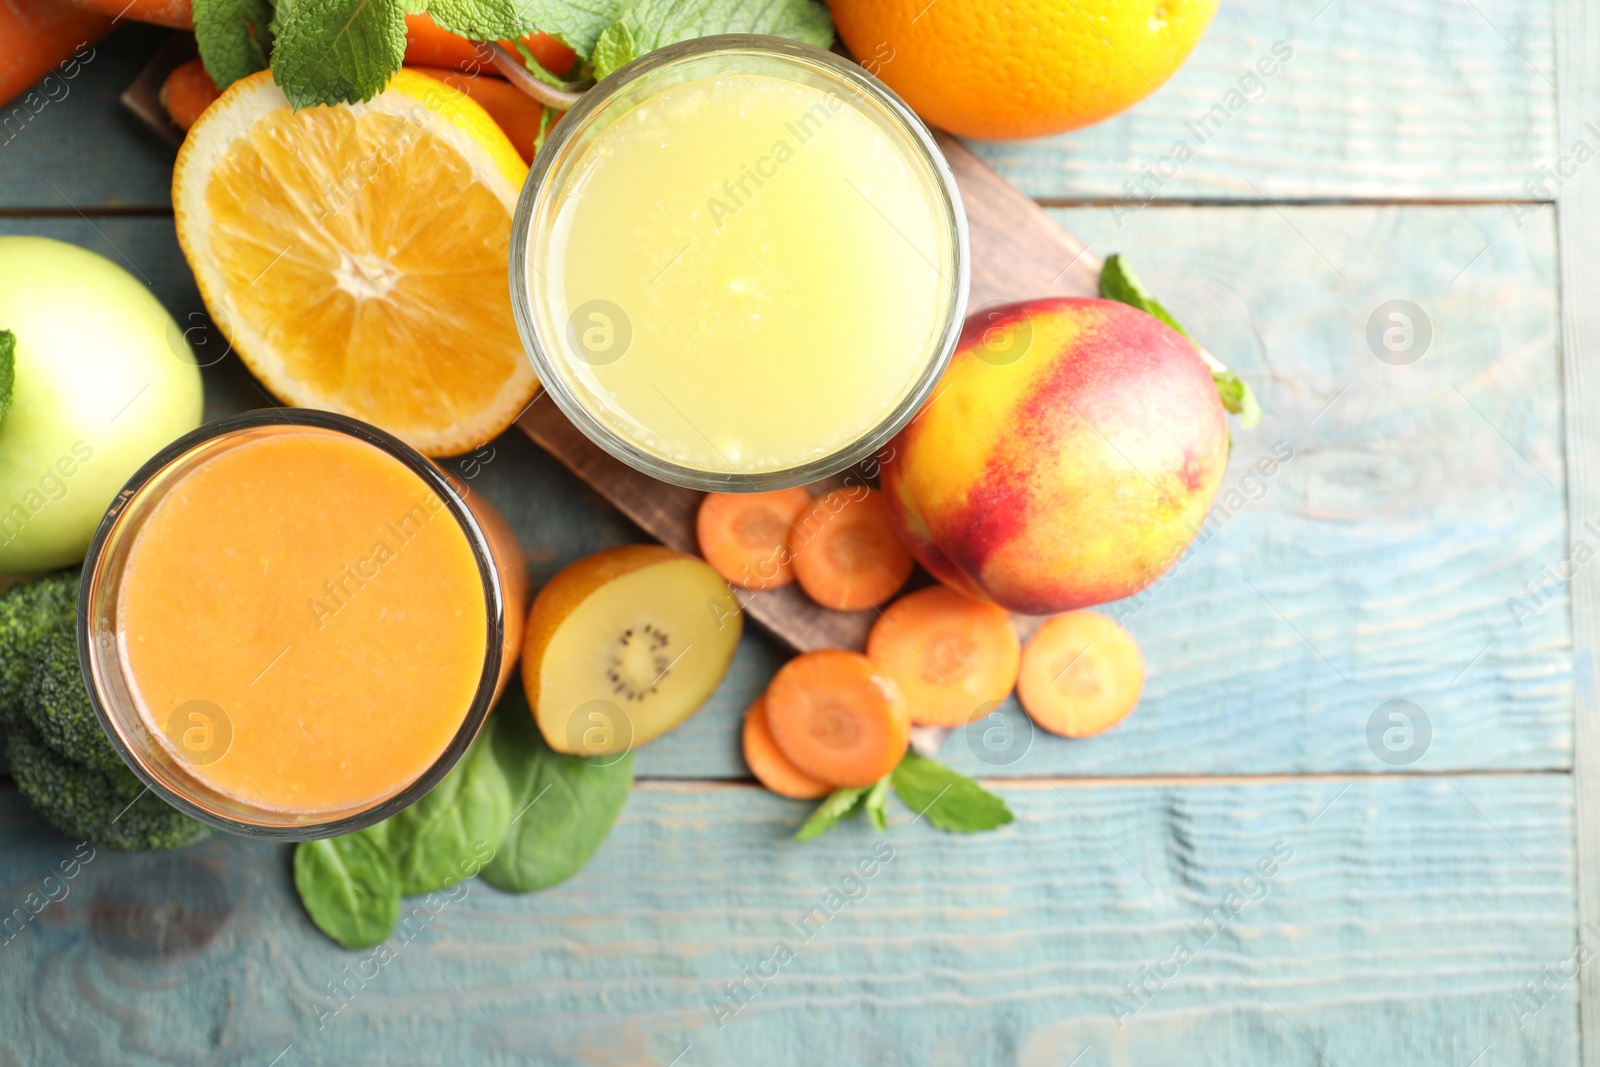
(106, 671)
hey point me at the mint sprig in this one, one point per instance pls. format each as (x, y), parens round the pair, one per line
(651, 24)
(1118, 282)
(337, 51)
(948, 800)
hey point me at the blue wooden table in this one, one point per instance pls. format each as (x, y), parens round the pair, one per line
(1244, 872)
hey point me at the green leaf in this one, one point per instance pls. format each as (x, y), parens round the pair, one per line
(333, 51)
(235, 37)
(1237, 398)
(650, 24)
(1118, 282)
(876, 804)
(349, 887)
(839, 804)
(547, 119)
(482, 20)
(452, 832)
(563, 806)
(614, 49)
(8, 369)
(951, 801)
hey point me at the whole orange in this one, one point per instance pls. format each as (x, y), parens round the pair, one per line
(1021, 68)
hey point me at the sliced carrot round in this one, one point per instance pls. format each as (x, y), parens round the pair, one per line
(1081, 674)
(837, 718)
(187, 91)
(952, 656)
(846, 553)
(745, 536)
(768, 763)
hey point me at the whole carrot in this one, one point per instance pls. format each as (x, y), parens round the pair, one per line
(36, 36)
(175, 13)
(429, 46)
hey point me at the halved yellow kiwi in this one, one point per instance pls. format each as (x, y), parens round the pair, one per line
(624, 645)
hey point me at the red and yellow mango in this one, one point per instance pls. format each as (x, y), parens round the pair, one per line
(1067, 458)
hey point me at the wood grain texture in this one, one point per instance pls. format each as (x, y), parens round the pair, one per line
(1379, 98)
(1398, 920)
(1382, 98)
(1578, 70)
(1391, 542)
(83, 151)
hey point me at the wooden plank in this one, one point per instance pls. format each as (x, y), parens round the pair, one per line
(1578, 70)
(1398, 923)
(83, 150)
(1391, 542)
(1378, 99)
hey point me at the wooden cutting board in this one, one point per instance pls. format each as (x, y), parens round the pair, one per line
(1018, 252)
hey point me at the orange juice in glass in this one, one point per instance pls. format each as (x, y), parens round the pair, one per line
(739, 263)
(293, 624)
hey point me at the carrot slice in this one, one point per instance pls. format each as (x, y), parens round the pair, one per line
(1081, 674)
(768, 763)
(952, 656)
(513, 110)
(428, 45)
(745, 536)
(846, 553)
(837, 718)
(187, 91)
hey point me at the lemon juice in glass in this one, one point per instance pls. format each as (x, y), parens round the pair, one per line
(740, 264)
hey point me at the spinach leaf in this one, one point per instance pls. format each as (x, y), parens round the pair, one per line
(452, 832)
(563, 806)
(349, 886)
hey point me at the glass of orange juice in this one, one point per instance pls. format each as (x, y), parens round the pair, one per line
(293, 625)
(739, 263)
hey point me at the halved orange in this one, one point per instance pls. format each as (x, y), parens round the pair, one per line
(356, 255)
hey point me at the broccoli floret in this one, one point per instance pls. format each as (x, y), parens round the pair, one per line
(107, 808)
(29, 613)
(56, 704)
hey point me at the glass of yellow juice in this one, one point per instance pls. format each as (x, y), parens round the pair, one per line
(740, 264)
(292, 624)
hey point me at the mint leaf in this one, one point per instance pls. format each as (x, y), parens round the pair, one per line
(951, 801)
(8, 369)
(334, 51)
(876, 804)
(839, 804)
(1237, 398)
(483, 20)
(653, 23)
(235, 37)
(1118, 282)
(614, 49)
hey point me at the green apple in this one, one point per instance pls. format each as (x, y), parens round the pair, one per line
(102, 379)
